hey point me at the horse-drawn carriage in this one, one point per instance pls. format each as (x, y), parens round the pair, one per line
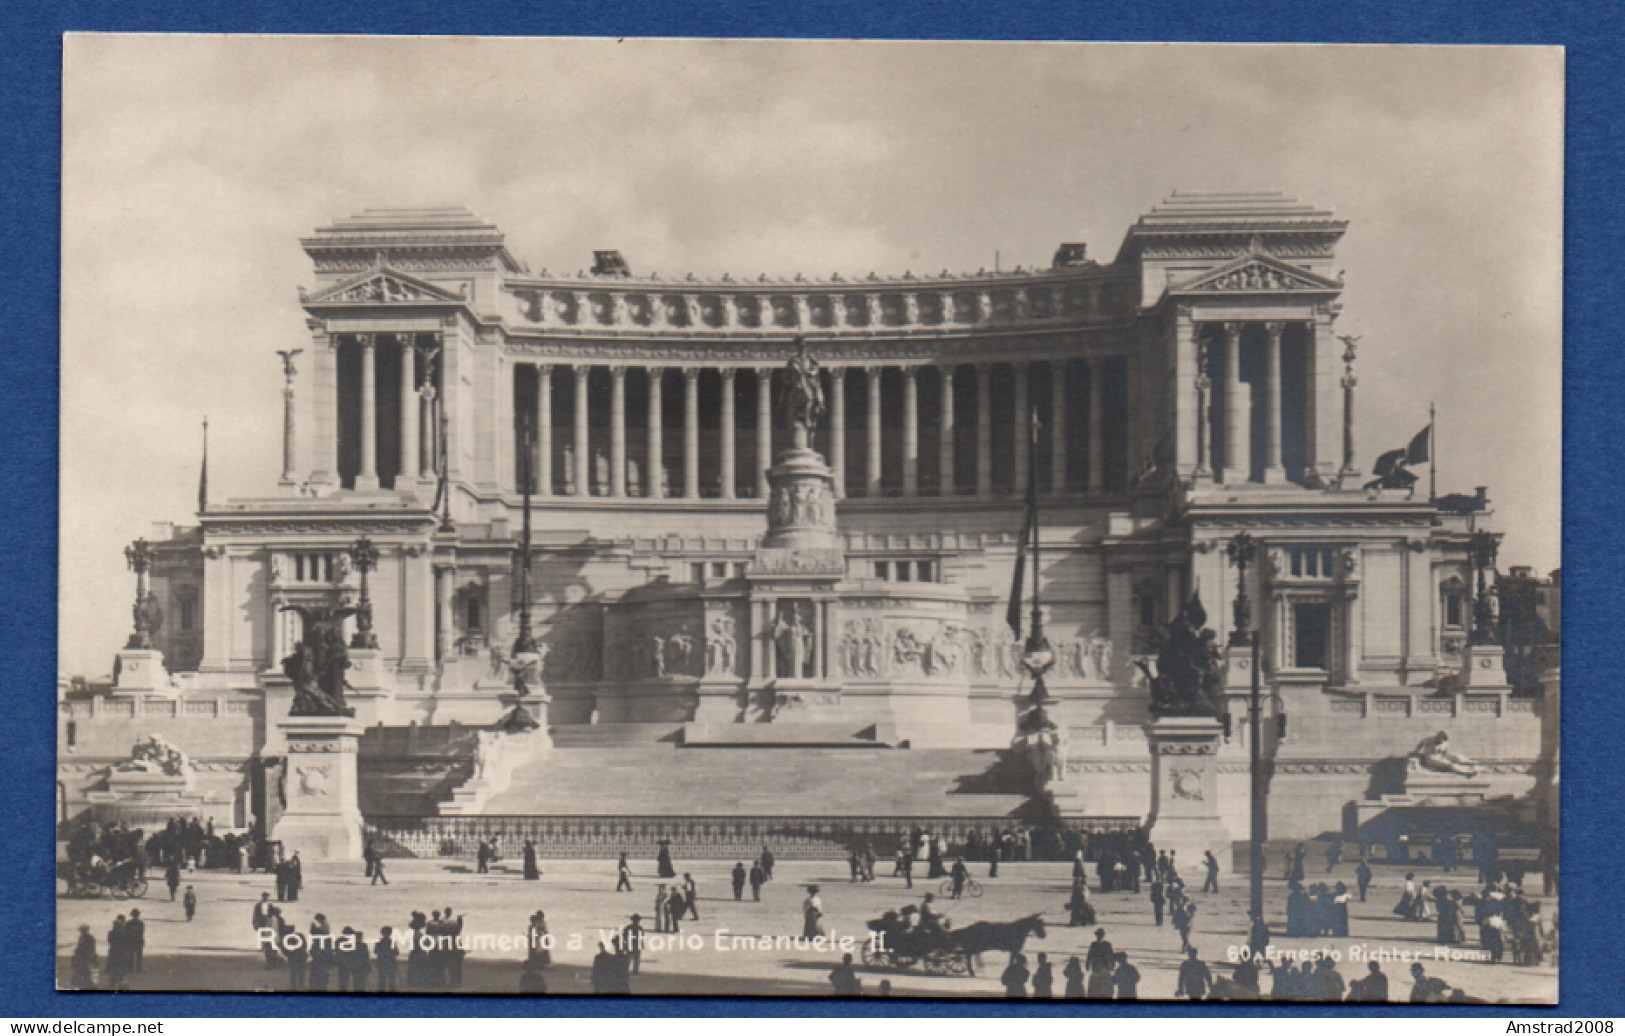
(89, 879)
(943, 950)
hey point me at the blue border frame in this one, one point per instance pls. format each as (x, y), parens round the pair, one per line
(30, 149)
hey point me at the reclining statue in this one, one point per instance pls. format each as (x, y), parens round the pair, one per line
(1434, 754)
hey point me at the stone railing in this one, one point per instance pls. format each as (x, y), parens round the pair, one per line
(834, 307)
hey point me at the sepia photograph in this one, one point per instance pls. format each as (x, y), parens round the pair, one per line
(790, 518)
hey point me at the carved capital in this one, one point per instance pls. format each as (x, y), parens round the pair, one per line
(691, 374)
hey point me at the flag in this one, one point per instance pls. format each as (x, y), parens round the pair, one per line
(1420, 449)
(1012, 615)
(1388, 462)
(1029, 535)
(203, 472)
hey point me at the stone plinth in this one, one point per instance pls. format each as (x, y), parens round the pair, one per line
(141, 671)
(801, 503)
(322, 820)
(1483, 668)
(1185, 814)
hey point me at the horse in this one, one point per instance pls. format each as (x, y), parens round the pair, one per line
(1010, 936)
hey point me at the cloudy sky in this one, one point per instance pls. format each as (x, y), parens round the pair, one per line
(193, 164)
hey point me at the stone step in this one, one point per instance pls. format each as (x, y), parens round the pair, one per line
(667, 779)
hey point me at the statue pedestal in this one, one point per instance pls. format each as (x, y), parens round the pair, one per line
(141, 671)
(1185, 790)
(322, 820)
(801, 503)
(1238, 668)
(1483, 668)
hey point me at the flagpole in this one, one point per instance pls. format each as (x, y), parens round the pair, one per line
(1433, 461)
(203, 471)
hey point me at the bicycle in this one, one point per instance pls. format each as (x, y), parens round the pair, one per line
(972, 889)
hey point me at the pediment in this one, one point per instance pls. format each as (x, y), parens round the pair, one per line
(1254, 273)
(382, 286)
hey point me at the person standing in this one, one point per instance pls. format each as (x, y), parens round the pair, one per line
(675, 906)
(84, 960)
(623, 875)
(296, 877)
(1100, 962)
(1258, 937)
(1373, 989)
(663, 859)
(1184, 918)
(1080, 913)
(740, 876)
(959, 875)
(905, 864)
(1211, 884)
(632, 943)
(262, 912)
(1126, 978)
(661, 899)
(1157, 900)
(758, 878)
(1362, 875)
(1015, 977)
(532, 872)
(843, 978)
(482, 858)
(136, 932)
(387, 957)
(368, 856)
(1334, 855)
(812, 913)
(189, 903)
(378, 869)
(1073, 973)
(1043, 979)
(1194, 977)
(691, 896)
(172, 878)
(118, 954)
(767, 862)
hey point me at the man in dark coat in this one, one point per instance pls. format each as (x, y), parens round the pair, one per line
(135, 930)
(740, 876)
(1362, 874)
(1194, 977)
(1157, 901)
(758, 878)
(1373, 989)
(767, 862)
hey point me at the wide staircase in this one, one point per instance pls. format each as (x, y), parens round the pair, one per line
(665, 779)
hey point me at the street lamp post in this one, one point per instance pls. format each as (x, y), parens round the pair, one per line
(139, 555)
(1242, 549)
(1483, 548)
(365, 558)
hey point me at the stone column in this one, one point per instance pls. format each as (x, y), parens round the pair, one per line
(289, 452)
(1022, 426)
(409, 413)
(729, 427)
(656, 479)
(1057, 427)
(837, 428)
(945, 433)
(1274, 472)
(1322, 423)
(367, 477)
(871, 473)
(911, 431)
(325, 457)
(443, 579)
(764, 428)
(1097, 425)
(583, 452)
(691, 432)
(544, 430)
(984, 430)
(617, 431)
(1234, 463)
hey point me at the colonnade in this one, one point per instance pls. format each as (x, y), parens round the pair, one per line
(570, 467)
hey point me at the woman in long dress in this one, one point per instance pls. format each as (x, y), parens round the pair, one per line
(1422, 905)
(538, 955)
(532, 872)
(1406, 907)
